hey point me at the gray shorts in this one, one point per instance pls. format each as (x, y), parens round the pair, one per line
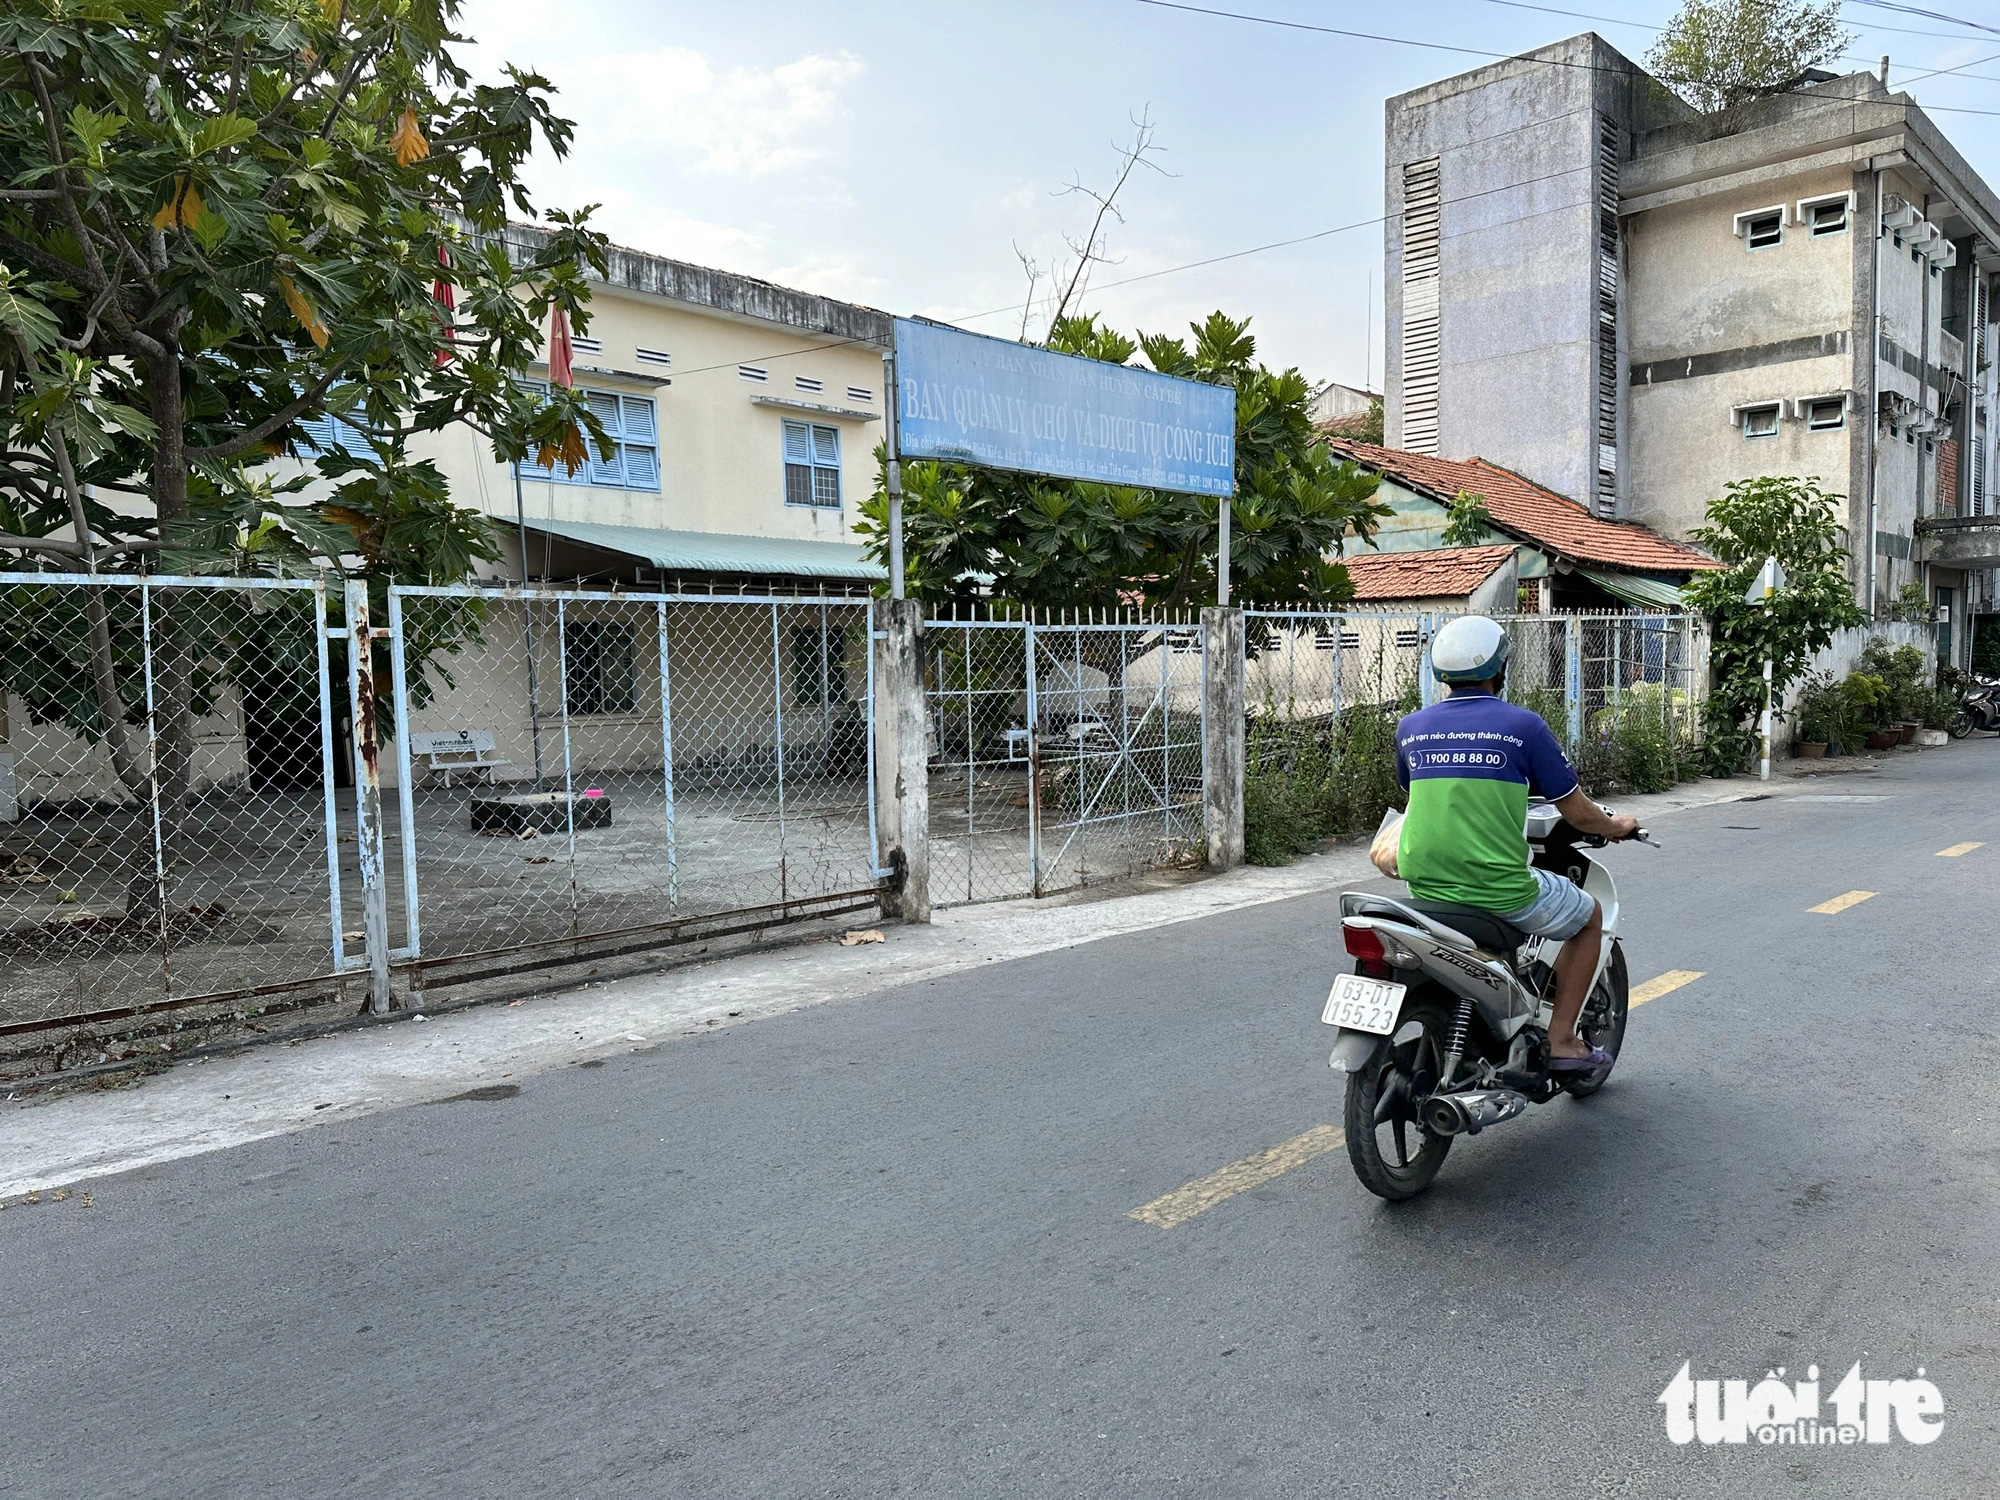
(1561, 911)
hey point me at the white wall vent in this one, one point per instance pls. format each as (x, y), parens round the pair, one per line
(1422, 254)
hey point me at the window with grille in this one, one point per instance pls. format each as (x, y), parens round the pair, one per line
(631, 462)
(328, 434)
(819, 665)
(599, 667)
(812, 465)
(1422, 252)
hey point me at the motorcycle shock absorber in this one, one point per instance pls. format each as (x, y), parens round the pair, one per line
(1461, 1024)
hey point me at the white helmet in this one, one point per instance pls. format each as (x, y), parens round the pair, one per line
(1470, 648)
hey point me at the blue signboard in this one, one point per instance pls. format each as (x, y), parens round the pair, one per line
(970, 399)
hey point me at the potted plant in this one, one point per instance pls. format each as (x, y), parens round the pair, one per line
(1866, 698)
(1938, 707)
(1816, 716)
(1901, 670)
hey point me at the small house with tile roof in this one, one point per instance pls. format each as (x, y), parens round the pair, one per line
(1564, 558)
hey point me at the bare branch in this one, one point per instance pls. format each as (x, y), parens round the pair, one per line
(1091, 251)
(42, 544)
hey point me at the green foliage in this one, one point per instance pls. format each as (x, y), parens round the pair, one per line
(1904, 673)
(1913, 605)
(1469, 523)
(1866, 697)
(224, 220)
(1986, 645)
(1369, 429)
(1793, 520)
(1064, 544)
(1310, 780)
(1720, 53)
(1819, 712)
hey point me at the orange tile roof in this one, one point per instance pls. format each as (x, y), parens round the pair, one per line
(1446, 572)
(1531, 512)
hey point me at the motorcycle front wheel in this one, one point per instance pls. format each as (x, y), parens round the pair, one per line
(1603, 1021)
(1393, 1154)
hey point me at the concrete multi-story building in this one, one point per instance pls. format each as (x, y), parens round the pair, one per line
(1632, 304)
(744, 416)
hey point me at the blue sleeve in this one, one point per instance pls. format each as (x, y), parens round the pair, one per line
(1402, 759)
(1550, 775)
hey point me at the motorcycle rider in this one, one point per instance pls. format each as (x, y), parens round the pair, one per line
(1470, 763)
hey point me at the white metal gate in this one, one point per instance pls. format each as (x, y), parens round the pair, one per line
(1064, 752)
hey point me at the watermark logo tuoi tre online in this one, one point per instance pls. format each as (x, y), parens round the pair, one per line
(1862, 1411)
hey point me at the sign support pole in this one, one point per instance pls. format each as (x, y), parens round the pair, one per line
(1222, 552)
(1770, 578)
(893, 398)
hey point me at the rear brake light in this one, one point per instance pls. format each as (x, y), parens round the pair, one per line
(1364, 944)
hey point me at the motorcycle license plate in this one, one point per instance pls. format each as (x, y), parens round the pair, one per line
(1363, 1004)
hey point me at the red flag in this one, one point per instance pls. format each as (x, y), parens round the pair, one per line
(559, 350)
(446, 297)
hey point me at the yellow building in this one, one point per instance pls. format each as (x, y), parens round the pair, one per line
(746, 417)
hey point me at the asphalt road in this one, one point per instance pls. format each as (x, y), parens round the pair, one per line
(884, 1247)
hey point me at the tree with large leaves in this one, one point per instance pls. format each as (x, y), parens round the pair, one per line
(221, 220)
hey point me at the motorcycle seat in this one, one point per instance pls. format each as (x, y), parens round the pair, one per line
(1487, 929)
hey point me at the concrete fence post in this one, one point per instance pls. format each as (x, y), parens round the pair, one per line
(1222, 726)
(901, 736)
(368, 840)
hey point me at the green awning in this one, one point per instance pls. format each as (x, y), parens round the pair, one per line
(1636, 588)
(720, 552)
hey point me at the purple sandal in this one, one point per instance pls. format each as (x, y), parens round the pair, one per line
(1596, 1058)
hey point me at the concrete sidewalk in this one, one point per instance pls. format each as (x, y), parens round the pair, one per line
(213, 1103)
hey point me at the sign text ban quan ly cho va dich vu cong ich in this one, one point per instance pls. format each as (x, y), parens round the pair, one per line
(966, 398)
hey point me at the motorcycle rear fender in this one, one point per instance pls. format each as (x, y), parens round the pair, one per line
(1352, 1049)
(1506, 1005)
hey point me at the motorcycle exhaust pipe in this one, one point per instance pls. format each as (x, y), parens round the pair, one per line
(1471, 1112)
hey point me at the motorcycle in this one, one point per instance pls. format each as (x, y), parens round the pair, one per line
(1444, 1023)
(1980, 709)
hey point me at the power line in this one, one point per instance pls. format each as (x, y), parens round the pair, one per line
(1548, 62)
(1579, 15)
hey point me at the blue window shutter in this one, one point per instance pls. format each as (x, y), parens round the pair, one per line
(642, 467)
(640, 425)
(607, 466)
(826, 445)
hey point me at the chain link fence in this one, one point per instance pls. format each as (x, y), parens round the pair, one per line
(1323, 693)
(1064, 752)
(168, 803)
(586, 765)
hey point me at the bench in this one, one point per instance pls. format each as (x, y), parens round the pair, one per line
(452, 752)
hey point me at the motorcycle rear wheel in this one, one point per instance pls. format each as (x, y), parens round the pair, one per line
(1603, 1023)
(1380, 1148)
(1960, 726)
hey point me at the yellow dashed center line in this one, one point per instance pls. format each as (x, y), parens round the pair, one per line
(1666, 984)
(1841, 903)
(1957, 849)
(1183, 1203)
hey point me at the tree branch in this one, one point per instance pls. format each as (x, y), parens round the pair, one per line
(249, 437)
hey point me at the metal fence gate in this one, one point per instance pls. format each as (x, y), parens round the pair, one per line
(582, 765)
(1063, 752)
(170, 821)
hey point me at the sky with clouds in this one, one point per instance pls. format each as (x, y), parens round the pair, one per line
(899, 154)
